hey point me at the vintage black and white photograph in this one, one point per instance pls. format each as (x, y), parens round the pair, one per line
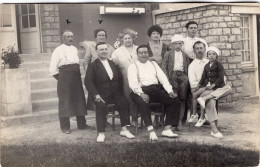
(120, 84)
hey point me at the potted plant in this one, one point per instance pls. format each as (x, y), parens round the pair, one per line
(11, 57)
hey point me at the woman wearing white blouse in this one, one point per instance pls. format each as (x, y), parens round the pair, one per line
(123, 57)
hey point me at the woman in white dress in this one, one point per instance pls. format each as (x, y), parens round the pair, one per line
(123, 57)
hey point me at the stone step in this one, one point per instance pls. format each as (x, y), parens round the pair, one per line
(38, 117)
(43, 94)
(40, 74)
(45, 83)
(45, 105)
(36, 65)
(35, 57)
(42, 57)
(44, 73)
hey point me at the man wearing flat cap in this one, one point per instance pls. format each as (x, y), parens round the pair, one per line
(175, 65)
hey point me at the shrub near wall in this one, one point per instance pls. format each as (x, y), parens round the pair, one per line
(220, 28)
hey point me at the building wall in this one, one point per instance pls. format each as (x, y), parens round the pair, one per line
(220, 28)
(50, 27)
(8, 35)
(258, 44)
(74, 13)
(114, 23)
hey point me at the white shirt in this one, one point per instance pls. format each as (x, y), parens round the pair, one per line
(188, 46)
(63, 55)
(148, 76)
(178, 61)
(108, 68)
(195, 71)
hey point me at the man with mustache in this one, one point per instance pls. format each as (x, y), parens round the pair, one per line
(64, 67)
(195, 71)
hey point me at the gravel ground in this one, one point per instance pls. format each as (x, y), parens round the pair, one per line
(238, 122)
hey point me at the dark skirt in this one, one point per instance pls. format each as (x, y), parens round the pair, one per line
(71, 95)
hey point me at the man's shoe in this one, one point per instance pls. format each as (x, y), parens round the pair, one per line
(193, 118)
(153, 136)
(169, 133)
(217, 135)
(127, 134)
(83, 127)
(200, 122)
(101, 138)
(65, 131)
(201, 102)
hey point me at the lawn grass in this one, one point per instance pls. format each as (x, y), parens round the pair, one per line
(136, 154)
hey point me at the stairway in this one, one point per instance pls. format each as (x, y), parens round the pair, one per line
(43, 86)
(43, 91)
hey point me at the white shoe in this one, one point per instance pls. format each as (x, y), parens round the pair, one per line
(153, 136)
(101, 138)
(200, 122)
(201, 102)
(127, 134)
(193, 118)
(169, 133)
(217, 135)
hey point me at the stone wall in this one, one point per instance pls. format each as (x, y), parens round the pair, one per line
(50, 27)
(220, 28)
(258, 44)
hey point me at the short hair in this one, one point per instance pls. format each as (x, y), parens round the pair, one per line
(125, 31)
(96, 31)
(199, 42)
(141, 46)
(65, 31)
(191, 22)
(100, 43)
(156, 28)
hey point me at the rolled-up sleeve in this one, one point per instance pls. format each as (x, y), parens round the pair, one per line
(192, 77)
(163, 79)
(54, 63)
(133, 79)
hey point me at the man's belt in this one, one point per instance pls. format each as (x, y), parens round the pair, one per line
(68, 65)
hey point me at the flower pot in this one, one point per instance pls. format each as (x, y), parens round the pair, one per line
(15, 92)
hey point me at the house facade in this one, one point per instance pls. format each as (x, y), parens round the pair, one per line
(35, 30)
(231, 27)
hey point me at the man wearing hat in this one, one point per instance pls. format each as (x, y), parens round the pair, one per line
(175, 65)
(192, 30)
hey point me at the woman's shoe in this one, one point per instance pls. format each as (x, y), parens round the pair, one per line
(217, 135)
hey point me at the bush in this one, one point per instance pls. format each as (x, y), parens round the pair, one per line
(11, 56)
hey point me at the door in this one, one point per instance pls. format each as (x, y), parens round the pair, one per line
(29, 28)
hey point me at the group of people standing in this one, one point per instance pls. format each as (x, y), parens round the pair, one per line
(132, 76)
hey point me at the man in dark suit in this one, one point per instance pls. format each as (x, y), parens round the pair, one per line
(104, 83)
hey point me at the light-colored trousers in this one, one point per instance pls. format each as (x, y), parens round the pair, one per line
(211, 104)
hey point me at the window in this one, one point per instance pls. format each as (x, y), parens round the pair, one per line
(5, 16)
(28, 16)
(247, 52)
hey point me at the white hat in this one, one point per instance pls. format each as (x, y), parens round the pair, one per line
(214, 49)
(176, 38)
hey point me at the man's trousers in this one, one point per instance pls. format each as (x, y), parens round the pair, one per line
(156, 93)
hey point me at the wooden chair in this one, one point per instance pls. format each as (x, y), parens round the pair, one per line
(157, 109)
(111, 113)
